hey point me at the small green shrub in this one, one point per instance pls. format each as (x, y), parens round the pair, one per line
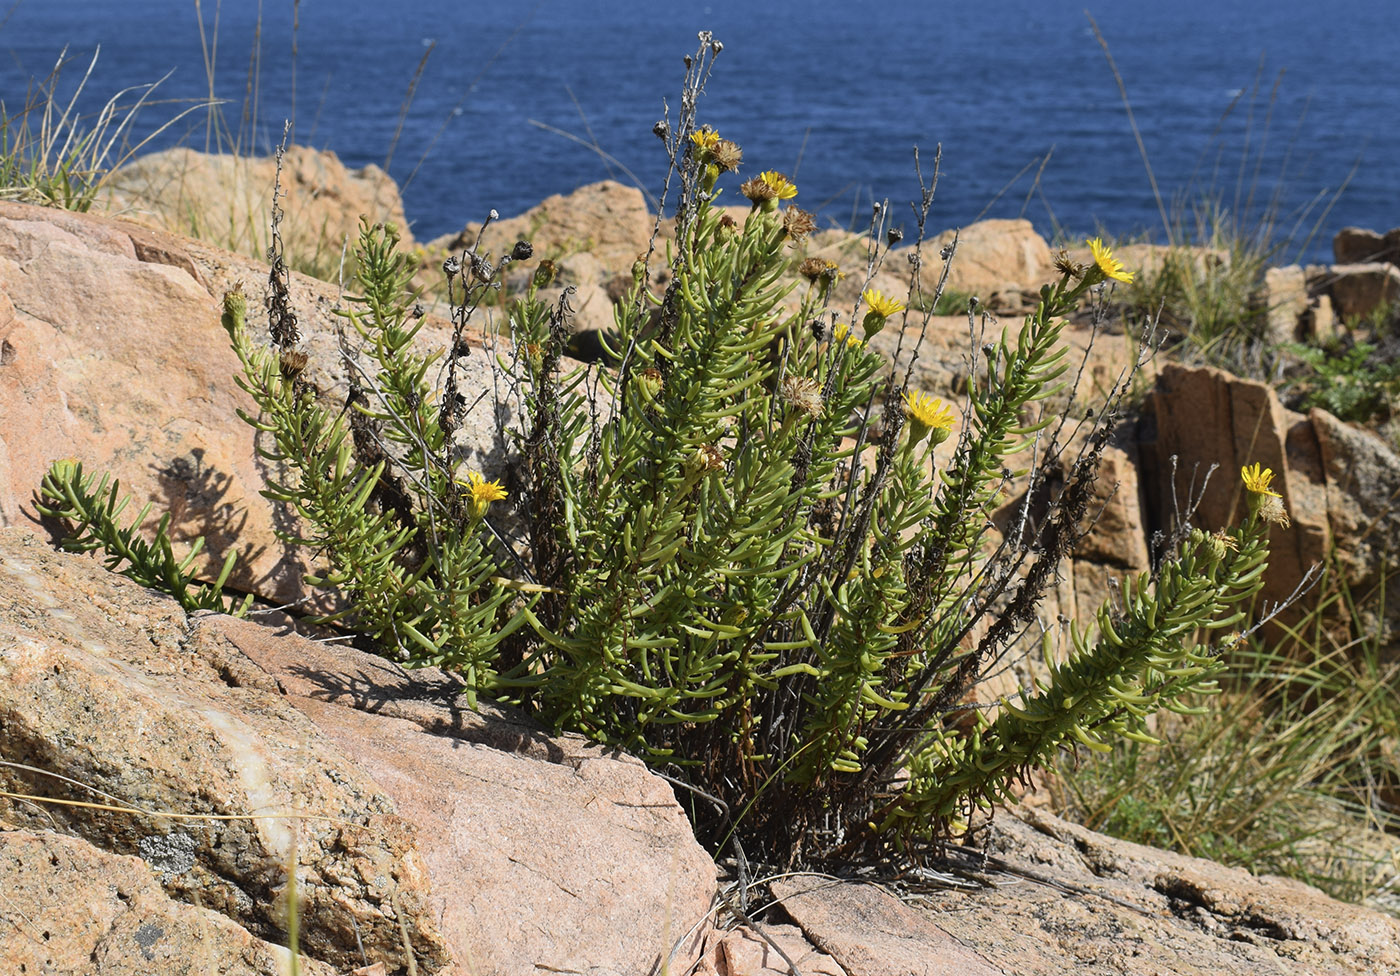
(1285, 772)
(738, 555)
(1354, 384)
(66, 494)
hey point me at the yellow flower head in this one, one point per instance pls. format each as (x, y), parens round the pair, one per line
(841, 332)
(881, 305)
(1108, 266)
(927, 415)
(881, 308)
(481, 493)
(782, 187)
(1257, 481)
(704, 139)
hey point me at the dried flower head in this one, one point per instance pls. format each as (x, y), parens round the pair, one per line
(1271, 510)
(481, 493)
(291, 363)
(803, 394)
(726, 155)
(707, 457)
(813, 268)
(1105, 264)
(1067, 267)
(728, 223)
(928, 416)
(757, 190)
(798, 223)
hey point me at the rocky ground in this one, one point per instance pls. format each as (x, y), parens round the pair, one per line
(165, 773)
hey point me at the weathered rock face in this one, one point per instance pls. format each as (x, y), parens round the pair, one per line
(545, 853)
(1338, 481)
(416, 826)
(1058, 898)
(113, 354)
(226, 199)
(1358, 289)
(1356, 245)
(101, 683)
(77, 909)
(993, 256)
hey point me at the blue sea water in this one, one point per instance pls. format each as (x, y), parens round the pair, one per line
(1272, 106)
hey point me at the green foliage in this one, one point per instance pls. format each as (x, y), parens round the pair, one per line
(1284, 772)
(51, 155)
(716, 576)
(1352, 384)
(406, 551)
(738, 555)
(68, 495)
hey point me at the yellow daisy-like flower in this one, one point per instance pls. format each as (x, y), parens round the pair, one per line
(928, 415)
(881, 308)
(1258, 481)
(1107, 264)
(881, 305)
(841, 332)
(481, 493)
(782, 187)
(704, 139)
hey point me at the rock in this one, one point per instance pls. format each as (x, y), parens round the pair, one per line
(871, 933)
(1356, 245)
(607, 220)
(72, 908)
(1285, 302)
(992, 256)
(106, 684)
(1362, 475)
(1059, 898)
(121, 362)
(1320, 321)
(1357, 290)
(545, 853)
(744, 952)
(1205, 416)
(474, 838)
(226, 200)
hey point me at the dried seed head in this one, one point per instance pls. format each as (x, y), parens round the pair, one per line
(727, 222)
(1271, 510)
(522, 251)
(758, 190)
(893, 236)
(726, 155)
(452, 266)
(291, 363)
(708, 457)
(798, 223)
(662, 130)
(1066, 267)
(803, 394)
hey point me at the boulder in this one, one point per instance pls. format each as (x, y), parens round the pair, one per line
(546, 853)
(225, 200)
(993, 256)
(1205, 418)
(416, 826)
(1285, 302)
(104, 694)
(113, 354)
(1357, 290)
(607, 220)
(72, 908)
(1057, 898)
(1356, 245)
